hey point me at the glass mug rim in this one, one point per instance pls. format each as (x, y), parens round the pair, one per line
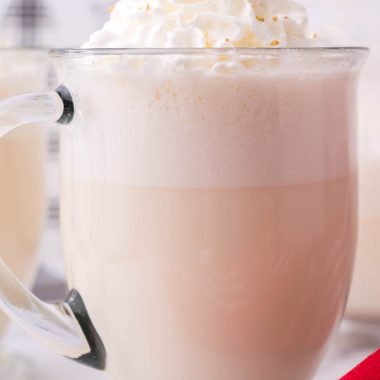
(329, 51)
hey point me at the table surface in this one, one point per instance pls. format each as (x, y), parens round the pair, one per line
(354, 342)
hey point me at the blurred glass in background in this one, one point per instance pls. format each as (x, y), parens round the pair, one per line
(51, 23)
(22, 179)
(22, 157)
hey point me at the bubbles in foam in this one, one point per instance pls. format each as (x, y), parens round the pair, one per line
(205, 129)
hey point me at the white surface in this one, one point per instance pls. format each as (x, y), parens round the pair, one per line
(354, 343)
(48, 366)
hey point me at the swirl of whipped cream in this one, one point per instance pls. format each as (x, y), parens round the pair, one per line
(204, 24)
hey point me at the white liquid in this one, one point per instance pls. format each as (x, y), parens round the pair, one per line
(209, 221)
(212, 284)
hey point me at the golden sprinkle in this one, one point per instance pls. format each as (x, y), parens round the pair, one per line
(275, 42)
(274, 18)
(315, 35)
(286, 17)
(111, 8)
(147, 7)
(207, 42)
(227, 40)
(260, 18)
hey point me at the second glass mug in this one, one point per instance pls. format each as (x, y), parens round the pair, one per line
(209, 209)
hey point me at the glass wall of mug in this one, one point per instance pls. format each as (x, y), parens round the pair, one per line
(365, 293)
(347, 28)
(209, 206)
(22, 165)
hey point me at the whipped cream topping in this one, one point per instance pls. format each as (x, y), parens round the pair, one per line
(204, 24)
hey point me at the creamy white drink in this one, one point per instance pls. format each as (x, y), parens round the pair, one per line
(209, 200)
(22, 156)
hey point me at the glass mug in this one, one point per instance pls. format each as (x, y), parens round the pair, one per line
(22, 166)
(209, 209)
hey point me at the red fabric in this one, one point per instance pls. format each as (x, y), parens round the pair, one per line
(367, 370)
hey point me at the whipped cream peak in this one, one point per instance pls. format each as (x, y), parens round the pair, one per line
(204, 24)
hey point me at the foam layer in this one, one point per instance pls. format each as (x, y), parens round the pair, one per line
(204, 23)
(206, 129)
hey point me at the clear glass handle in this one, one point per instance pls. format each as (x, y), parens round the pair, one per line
(38, 107)
(64, 327)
